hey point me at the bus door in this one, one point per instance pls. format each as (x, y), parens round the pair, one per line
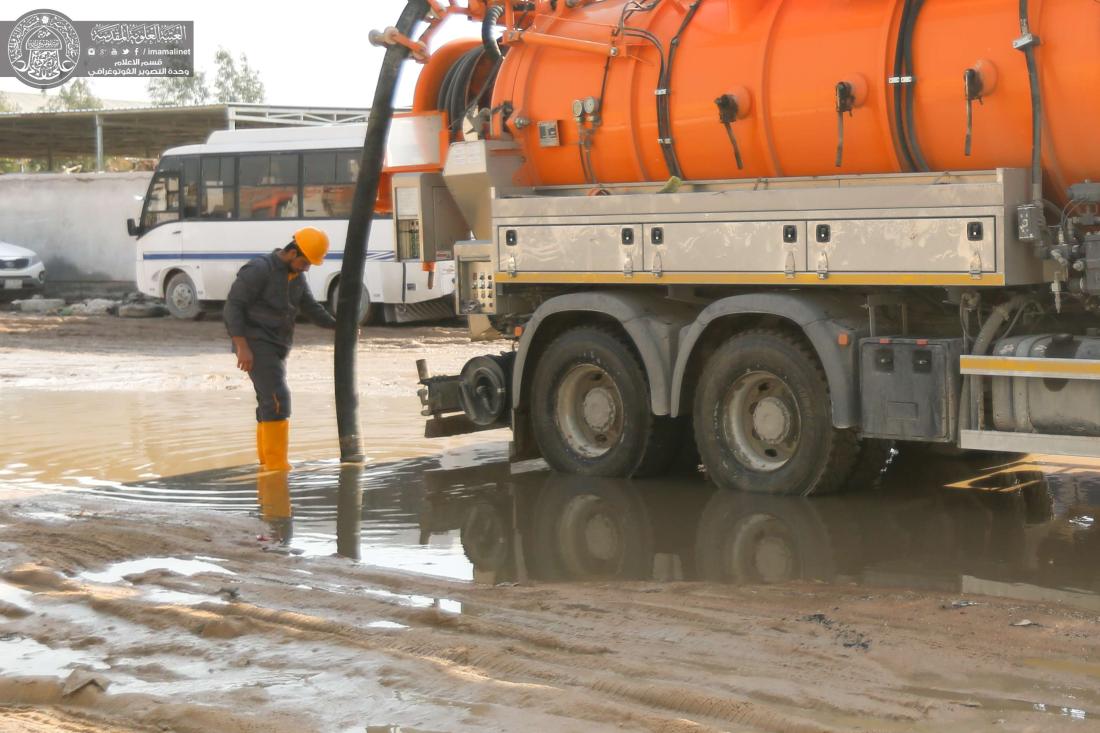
(159, 228)
(160, 217)
(384, 272)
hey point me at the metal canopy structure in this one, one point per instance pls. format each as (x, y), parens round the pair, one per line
(144, 132)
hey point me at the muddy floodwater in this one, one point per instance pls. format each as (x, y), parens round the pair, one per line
(152, 579)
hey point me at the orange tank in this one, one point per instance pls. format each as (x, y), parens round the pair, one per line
(781, 61)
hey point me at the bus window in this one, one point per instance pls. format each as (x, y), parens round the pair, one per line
(269, 186)
(328, 184)
(163, 202)
(219, 187)
(190, 188)
(347, 166)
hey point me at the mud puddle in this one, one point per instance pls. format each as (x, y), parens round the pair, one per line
(151, 554)
(1019, 530)
(1022, 530)
(95, 440)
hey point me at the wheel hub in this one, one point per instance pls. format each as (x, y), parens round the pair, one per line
(760, 420)
(771, 420)
(589, 410)
(598, 409)
(182, 296)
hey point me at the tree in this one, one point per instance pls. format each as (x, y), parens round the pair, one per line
(6, 105)
(75, 95)
(179, 91)
(235, 83)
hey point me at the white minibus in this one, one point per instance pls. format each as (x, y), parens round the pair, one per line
(212, 207)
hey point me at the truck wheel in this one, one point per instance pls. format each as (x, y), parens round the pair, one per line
(182, 298)
(762, 419)
(590, 408)
(366, 308)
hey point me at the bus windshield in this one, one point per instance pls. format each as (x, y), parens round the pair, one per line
(162, 203)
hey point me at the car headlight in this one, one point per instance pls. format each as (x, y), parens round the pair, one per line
(35, 259)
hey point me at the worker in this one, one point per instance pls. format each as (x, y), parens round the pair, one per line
(259, 314)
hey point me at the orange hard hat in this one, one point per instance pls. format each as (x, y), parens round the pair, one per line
(312, 243)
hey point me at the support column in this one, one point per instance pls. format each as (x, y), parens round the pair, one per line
(99, 143)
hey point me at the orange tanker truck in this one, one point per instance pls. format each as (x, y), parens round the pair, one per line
(778, 235)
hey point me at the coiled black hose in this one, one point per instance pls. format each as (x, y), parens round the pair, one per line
(488, 40)
(454, 92)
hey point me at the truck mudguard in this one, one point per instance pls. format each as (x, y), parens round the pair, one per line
(832, 324)
(652, 324)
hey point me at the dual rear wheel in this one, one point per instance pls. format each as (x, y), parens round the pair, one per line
(761, 415)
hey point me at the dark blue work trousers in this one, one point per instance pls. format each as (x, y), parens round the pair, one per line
(269, 379)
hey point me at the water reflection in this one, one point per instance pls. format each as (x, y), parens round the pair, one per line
(349, 510)
(951, 525)
(273, 498)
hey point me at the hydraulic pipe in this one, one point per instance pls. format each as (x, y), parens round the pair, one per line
(971, 388)
(351, 271)
(1027, 43)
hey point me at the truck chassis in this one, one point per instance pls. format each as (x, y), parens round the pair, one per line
(781, 331)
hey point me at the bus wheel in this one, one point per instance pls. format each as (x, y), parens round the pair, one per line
(590, 408)
(762, 418)
(182, 298)
(367, 309)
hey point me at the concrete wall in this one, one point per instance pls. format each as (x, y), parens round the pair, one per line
(77, 225)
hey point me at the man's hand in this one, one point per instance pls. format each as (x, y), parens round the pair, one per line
(244, 354)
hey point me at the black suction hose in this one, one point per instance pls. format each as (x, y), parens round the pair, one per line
(362, 211)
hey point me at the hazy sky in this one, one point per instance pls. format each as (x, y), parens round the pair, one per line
(311, 53)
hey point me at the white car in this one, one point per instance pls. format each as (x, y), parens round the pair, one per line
(21, 271)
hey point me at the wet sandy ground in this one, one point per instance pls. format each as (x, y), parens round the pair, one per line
(149, 580)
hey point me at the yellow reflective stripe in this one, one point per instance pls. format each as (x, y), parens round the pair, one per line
(1027, 366)
(748, 278)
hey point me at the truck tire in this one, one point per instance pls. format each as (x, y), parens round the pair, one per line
(367, 309)
(590, 408)
(181, 297)
(763, 421)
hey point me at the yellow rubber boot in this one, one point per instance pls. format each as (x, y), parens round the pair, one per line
(260, 443)
(276, 444)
